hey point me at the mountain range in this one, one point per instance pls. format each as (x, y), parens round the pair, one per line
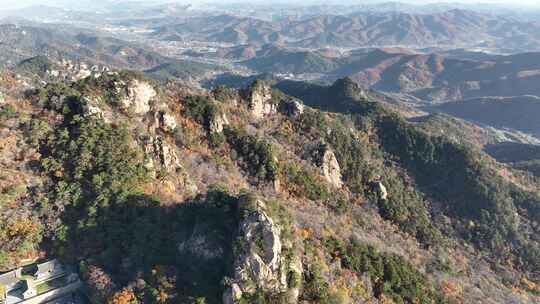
(49, 46)
(261, 153)
(428, 77)
(456, 28)
(21, 42)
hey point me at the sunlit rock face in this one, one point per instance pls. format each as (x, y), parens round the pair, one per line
(259, 99)
(137, 98)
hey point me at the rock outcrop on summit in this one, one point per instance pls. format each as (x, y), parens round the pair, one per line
(259, 98)
(137, 96)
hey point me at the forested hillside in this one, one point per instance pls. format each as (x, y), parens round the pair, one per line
(297, 193)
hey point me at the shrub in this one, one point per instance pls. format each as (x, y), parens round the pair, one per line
(316, 287)
(36, 130)
(256, 155)
(19, 235)
(391, 275)
(303, 183)
(7, 112)
(201, 109)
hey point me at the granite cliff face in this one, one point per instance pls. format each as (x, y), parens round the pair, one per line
(261, 262)
(291, 107)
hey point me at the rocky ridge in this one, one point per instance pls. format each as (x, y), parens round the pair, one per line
(187, 164)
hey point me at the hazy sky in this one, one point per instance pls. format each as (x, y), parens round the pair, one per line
(6, 4)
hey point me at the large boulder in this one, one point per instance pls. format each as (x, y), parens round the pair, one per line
(326, 160)
(331, 169)
(218, 123)
(295, 278)
(259, 99)
(381, 190)
(291, 107)
(81, 74)
(165, 121)
(137, 96)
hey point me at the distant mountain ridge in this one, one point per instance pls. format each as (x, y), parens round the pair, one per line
(431, 77)
(520, 113)
(455, 27)
(21, 42)
(34, 49)
(437, 78)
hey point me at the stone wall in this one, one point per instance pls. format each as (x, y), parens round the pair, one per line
(53, 294)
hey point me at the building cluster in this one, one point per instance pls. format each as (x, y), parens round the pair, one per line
(38, 283)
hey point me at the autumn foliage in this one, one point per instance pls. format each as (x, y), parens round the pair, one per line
(125, 296)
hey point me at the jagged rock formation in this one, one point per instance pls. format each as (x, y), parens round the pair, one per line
(259, 98)
(310, 241)
(260, 265)
(158, 151)
(165, 121)
(291, 107)
(137, 96)
(50, 71)
(325, 159)
(91, 108)
(331, 169)
(380, 189)
(217, 123)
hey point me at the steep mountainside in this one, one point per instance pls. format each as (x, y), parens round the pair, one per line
(518, 113)
(521, 156)
(293, 194)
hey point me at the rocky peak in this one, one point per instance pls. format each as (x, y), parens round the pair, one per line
(138, 95)
(381, 190)
(259, 99)
(347, 88)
